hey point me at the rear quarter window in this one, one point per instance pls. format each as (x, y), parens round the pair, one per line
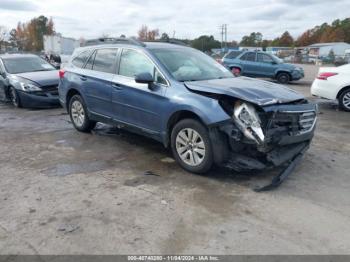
(80, 59)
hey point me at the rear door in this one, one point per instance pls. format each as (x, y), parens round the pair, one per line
(266, 66)
(248, 62)
(98, 74)
(134, 103)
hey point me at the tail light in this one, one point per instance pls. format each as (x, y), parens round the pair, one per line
(61, 73)
(325, 75)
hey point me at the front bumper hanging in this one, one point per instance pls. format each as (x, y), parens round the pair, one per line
(277, 180)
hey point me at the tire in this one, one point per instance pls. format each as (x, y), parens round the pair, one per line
(236, 71)
(79, 115)
(283, 78)
(344, 100)
(14, 97)
(191, 146)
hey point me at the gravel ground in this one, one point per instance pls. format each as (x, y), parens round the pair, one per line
(64, 192)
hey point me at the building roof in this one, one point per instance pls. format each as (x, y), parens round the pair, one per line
(328, 44)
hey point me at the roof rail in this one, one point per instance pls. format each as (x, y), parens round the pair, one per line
(113, 40)
(170, 41)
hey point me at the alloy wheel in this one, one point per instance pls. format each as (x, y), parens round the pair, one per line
(78, 113)
(190, 147)
(346, 100)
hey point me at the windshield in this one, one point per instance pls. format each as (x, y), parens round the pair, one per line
(191, 65)
(17, 65)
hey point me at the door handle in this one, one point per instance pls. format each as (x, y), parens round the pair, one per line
(117, 86)
(83, 78)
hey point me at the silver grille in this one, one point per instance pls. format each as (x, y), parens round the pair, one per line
(307, 121)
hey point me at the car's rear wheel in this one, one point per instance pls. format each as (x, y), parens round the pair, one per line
(14, 97)
(191, 146)
(344, 100)
(236, 71)
(283, 78)
(78, 114)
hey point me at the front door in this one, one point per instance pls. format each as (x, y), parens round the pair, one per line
(266, 66)
(138, 104)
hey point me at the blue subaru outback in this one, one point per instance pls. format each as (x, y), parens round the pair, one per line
(189, 102)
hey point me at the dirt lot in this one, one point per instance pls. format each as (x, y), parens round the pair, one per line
(64, 192)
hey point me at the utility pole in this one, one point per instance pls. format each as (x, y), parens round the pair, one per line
(225, 37)
(223, 32)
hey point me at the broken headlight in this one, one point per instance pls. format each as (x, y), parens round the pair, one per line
(248, 121)
(29, 87)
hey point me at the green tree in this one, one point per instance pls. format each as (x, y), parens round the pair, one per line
(29, 36)
(254, 39)
(205, 43)
(165, 37)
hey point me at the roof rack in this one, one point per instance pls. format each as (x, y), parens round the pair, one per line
(113, 40)
(170, 41)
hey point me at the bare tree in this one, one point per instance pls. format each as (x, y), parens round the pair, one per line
(3, 31)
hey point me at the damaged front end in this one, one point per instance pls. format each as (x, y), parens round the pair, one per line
(262, 137)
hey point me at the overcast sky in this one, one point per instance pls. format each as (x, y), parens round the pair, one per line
(189, 19)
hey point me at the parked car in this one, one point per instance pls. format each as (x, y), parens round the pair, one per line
(333, 83)
(185, 99)
(261, 64)
(28, 81)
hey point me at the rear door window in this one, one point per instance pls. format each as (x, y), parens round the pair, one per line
(250, 56)
(105, 60)
(233, 54)
(80, 60)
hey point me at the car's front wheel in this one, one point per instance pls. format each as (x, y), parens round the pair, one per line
(78, 114)
(283, 78)
(14, 97)
(191, 146)
(344, 100)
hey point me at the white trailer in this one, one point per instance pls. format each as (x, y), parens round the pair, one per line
(56, 44)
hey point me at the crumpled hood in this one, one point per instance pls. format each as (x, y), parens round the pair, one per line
(41, 78)
(248, 89)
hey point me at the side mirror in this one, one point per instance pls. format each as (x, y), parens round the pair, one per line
(144, 78)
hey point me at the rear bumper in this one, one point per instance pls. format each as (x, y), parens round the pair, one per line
(324, 89)
(32, 100)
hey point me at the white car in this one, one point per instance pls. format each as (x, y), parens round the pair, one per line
(333, 83)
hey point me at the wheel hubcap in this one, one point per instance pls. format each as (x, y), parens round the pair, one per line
(346, 100)
(190, 147)
(78, 113)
